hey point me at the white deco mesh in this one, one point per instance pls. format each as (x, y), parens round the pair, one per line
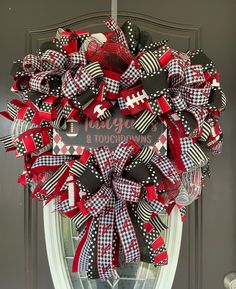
(190, 188)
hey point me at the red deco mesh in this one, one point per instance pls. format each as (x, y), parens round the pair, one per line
(172, 190)
(111, 56)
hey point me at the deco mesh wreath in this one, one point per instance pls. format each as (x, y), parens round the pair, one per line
(114, 197)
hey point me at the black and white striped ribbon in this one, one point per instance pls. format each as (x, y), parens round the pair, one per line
(206, 128)
(197, 155)
(50, 185)
(145, 154)
(60, 121)
(158, 224)
(12, 110)
(144, 211)
(77, 169)
(149, 62)
(79, 219)
(94, 69)
(8, 141)
(144, 121)
(223, 101)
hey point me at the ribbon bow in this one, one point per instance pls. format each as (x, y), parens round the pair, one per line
(109, 203)
(118, 199)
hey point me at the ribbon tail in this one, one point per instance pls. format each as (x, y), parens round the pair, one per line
(105, 241)
(183, 212)
(8, 142)
(81, 245)
(127, 233)
(152, 247)
(148, 214)
(92, 272)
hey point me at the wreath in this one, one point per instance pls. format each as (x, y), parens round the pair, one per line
(115, 196)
